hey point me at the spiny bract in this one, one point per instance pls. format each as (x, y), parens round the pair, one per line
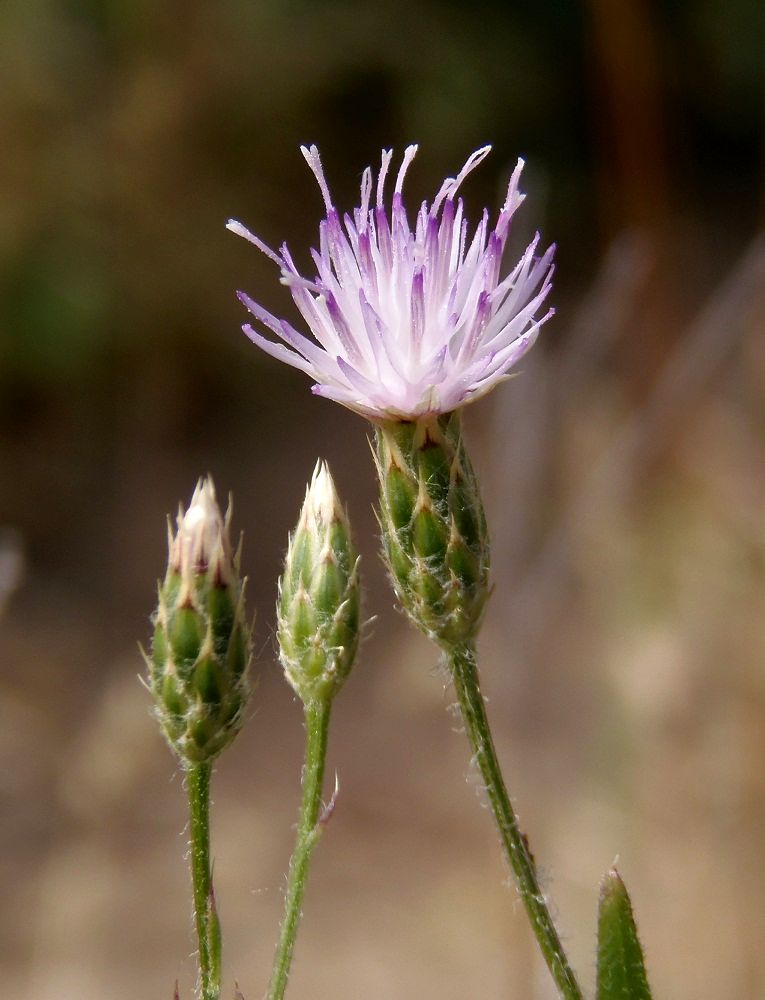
(435, 539)
(319, 595)
(201, 644)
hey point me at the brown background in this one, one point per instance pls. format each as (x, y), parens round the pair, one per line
(623, 474)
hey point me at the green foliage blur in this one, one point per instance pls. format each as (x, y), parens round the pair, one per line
(134, 129)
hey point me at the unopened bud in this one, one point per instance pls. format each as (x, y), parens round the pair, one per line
(201, 644)
(319, 595)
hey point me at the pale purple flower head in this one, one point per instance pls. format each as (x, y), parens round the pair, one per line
(407, 322)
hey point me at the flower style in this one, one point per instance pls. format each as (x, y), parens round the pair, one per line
(408, 323)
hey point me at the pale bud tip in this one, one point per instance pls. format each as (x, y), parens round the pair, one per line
(202, 535)
(322, 498)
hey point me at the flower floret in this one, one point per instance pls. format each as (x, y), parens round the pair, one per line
(407, 322)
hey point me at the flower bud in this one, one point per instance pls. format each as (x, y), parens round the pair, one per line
(319, 595)
(201, 644)
(435, 539)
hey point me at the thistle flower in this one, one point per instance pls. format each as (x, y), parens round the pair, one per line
(319, 595)
(409, 325)
(201, 643)
(408, 322)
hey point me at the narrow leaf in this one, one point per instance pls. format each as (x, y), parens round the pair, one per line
(621, 969)
(214, 938)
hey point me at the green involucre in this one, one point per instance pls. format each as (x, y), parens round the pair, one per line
(198, 665)
(435, 539)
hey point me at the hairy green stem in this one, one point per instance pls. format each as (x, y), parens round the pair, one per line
(309, 829)
(198, 783)
(464, 671)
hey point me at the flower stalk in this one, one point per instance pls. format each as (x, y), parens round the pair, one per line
(436, 546)
(205, 914)
(318, 633)
(464, 671)
(198, 677)
(317, 714)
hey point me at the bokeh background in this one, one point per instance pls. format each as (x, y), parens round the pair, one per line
(624, 648)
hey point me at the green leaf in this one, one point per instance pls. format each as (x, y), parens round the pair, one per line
(214, 938)
(621, 969)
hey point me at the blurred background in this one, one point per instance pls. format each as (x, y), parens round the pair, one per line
(623, 472)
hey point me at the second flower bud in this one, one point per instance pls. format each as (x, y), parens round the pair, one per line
(319, 595)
